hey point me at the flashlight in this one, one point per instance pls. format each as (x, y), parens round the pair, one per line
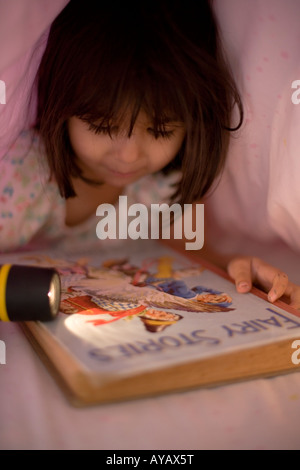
(29, 293)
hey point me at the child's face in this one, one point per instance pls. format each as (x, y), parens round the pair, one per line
(118, 159)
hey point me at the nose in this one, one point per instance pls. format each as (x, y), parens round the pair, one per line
(129, 149)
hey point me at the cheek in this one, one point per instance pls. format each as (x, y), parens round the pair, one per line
(82, 145)
(88, 147)
(166, 152)
(82, 141)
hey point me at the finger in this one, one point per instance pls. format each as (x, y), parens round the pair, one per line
(294, 296)
(279, 286)
(240, 270)
(271, 279)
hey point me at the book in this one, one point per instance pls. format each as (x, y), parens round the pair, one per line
(150, 320)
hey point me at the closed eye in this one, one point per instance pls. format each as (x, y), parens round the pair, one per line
(162, 133)
(114, 130)
(105, 130)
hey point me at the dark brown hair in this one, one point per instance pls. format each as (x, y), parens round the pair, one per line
(105, 59)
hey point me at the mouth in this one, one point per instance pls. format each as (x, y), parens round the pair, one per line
(124, 174)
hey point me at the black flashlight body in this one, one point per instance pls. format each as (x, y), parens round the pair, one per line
(29, 293)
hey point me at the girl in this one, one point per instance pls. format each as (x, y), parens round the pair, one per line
(135, 99)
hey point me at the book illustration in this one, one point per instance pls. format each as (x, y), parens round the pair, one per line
(118, 289)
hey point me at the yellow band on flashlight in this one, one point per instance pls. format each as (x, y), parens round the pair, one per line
(4, 270)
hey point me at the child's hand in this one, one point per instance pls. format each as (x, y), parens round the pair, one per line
(246, 271)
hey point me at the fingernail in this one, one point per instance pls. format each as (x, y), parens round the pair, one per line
(243, 285)
(272, 296)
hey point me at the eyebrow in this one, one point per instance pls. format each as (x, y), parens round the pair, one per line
(171, 119)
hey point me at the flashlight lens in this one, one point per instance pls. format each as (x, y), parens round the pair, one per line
(54, 294)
